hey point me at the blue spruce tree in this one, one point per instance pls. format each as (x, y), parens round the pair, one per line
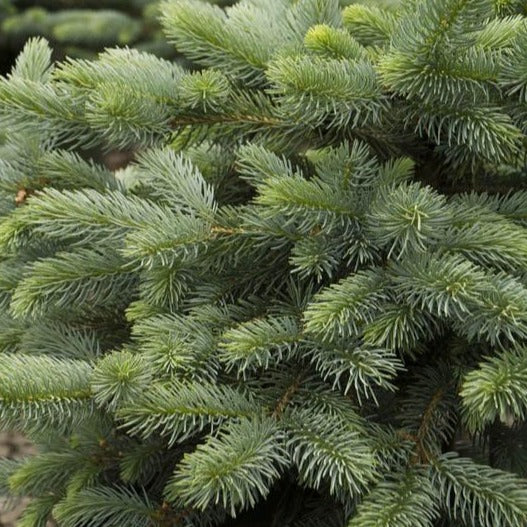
(304, 302)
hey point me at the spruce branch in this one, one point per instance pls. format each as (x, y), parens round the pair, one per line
(334, 43)
(406, 499)
(38, 511)
(182, 410)
(177, 346)
(477, 494)
(495, 390)
(206, 34)
(353, 97)
(233, 469)
(430, 411)
(326, 452)
(51, 470)
(34, 62)
(357, 367)
(343, 308)
(259, 343)
(82, 278)
(369, 24)
(118, 378)
(43, 392)
(121, 505)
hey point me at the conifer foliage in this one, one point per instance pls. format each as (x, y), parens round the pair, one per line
(304, 303)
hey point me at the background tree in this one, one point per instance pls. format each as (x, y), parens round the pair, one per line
(81, 28)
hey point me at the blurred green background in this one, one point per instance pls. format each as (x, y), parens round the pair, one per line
(81, 28)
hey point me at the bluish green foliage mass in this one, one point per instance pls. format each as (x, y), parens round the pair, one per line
(304, 301)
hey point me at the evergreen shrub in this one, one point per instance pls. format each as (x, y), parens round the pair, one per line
(304, 303)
